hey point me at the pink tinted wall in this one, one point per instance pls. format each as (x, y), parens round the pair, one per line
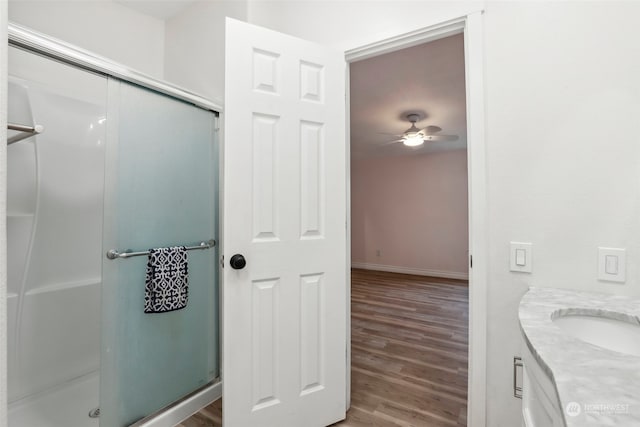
(413, 209)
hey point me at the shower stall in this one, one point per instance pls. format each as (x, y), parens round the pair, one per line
(103, 160)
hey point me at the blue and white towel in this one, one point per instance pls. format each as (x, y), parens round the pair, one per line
(166, 285)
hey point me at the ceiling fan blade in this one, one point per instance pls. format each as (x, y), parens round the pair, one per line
(440, 137)
(390, 134)
(432, 129)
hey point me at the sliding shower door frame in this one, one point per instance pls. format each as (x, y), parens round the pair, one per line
(41, 44)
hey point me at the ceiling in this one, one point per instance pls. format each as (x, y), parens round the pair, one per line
(160, 9)
(428, 78)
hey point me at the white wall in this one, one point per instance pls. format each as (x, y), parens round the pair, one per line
(194, 41)
(410, 214)
(103, 27)
(353, 23)
(562, 97)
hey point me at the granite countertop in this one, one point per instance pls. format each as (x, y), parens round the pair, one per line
(605, 383)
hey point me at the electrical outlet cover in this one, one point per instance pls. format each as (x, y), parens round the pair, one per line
(520, 257)
(612, 264)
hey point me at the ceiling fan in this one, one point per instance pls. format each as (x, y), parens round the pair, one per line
(414, 137)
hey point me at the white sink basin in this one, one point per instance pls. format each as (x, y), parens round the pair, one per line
(607, 333)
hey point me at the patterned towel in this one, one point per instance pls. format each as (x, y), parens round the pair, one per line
(166, 285)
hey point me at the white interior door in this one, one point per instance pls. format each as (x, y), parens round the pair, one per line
(284, 321)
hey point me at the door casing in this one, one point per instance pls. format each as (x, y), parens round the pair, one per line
(471, 25)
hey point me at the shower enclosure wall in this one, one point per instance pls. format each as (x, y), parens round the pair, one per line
(122, 167)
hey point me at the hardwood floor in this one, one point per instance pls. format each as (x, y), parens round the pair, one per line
(409, 342)
(409, 339)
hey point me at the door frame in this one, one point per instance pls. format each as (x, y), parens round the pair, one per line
(471, 25)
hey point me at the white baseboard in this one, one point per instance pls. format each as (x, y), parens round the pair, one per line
(410, 270)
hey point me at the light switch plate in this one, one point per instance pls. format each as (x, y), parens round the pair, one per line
(520, 257)
(612, 264)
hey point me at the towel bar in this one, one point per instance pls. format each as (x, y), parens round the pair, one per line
(114, 254)
(27, 131)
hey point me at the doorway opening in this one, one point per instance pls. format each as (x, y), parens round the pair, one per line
(410, 235)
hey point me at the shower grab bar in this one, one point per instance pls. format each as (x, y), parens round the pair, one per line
(27, 131)
(114, 254)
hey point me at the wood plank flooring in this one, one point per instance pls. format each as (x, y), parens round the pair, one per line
(409, 341)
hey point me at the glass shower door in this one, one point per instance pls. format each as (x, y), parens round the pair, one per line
(161, 190)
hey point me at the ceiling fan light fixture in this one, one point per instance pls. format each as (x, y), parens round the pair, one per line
(413, 140)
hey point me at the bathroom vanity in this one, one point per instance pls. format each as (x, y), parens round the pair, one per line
(581, 357)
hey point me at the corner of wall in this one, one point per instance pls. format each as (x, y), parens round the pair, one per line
(106, 28)
(194, 46)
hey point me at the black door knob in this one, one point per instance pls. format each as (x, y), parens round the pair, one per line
(237, 262)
